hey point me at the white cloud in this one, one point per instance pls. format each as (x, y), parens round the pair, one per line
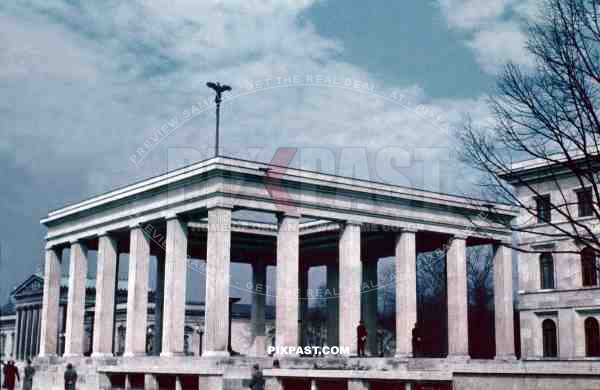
(499, 44)
(120, 73)
(493, 30)
(470, 14)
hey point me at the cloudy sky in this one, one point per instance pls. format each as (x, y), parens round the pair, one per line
(84, 84)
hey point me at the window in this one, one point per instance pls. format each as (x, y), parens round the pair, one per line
(585, 202)
(549, 339)
(589, 270)
(592, 337)
(544, 213)
(546, 271)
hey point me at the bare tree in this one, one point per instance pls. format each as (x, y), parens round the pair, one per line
(548, 113)
(480, 276)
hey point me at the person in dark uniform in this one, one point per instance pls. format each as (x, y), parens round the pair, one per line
(28, 373)
(70, 377)
(417, 340)
(257, 382)
(11, 375)
(361, 338)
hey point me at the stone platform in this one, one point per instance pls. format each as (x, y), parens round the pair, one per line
(153, 373)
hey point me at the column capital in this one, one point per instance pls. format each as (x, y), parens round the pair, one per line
(507, 243)
(134, 224)
(53, 247)
(353, 222)
(288, 214)
(104, 233)
(219, 202)
(212, 206)
(459, 236)
(408, 229)
(171, 215)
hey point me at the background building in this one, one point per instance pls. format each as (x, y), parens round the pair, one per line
(20, 321)
(559, 291)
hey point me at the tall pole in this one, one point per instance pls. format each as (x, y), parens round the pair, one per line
(218, 100)
(219, 89)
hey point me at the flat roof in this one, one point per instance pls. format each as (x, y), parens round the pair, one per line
(260, 169)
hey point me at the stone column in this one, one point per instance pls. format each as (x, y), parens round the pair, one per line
(150, 382)
(173, 331)
(50, 303)
(286, 305)
(259, 280)
(8, 347)
(272, 383)
(350, 285)
(105, 296)
(218, 257)
(137, 293)
(303, 303)
(503, 303)
(358, 384)
(406, 292)
(196, 341)
(369, 307)
(456, 284)
(36, 331)
(28, 332)
(159, 297)
(74, 334)
(20, 332)
(24, 322)
(333, 302)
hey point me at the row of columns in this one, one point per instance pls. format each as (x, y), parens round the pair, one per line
(27, 331)
(170, 292)
(346, 277)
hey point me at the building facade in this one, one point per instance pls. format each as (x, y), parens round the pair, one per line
(559, 291)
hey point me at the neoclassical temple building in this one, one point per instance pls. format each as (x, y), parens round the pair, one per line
(310, 219)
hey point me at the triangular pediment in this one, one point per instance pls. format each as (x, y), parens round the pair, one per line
(32, 285)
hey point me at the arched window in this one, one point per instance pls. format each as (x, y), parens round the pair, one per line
(589, 270)
(546, 271)
(549, 338)
(592, 337)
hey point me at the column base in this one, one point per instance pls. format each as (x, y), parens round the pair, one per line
(47, 355)
(133, 354)
(505, 358)
(259, 347)
(172, 354)
(72, 355)
(458, 358)
(101, 355)
(403, 356)
(215, 354)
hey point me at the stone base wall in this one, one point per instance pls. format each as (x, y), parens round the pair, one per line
(50, 372)
(529, 382)
(232, 373)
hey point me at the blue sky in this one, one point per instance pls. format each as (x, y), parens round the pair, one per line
(85, 83)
